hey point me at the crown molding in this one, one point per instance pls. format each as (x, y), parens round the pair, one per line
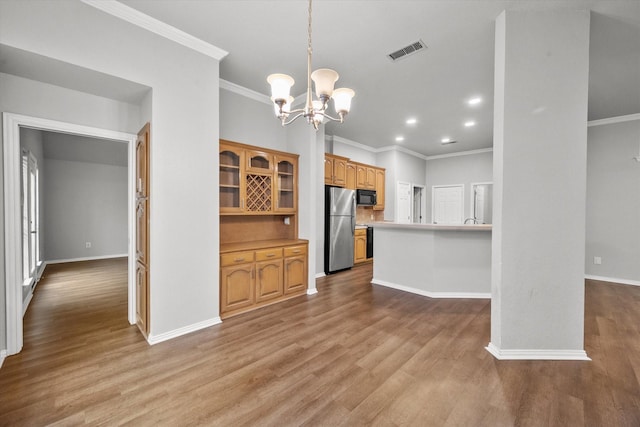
(612, 120)
(461, 153)
(135, 17)
(243, 91)
(353, 144)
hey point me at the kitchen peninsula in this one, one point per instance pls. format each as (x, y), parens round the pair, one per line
(438, 261)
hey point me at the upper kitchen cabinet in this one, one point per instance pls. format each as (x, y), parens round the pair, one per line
(335, 170)
(365, 177)
(350, 182)
(256, 181)
(379, 187)
(286, 183)
(232, 192)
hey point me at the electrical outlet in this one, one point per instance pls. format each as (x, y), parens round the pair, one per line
(371, 216)
(287, 221)
(597, 260)
(87, 245)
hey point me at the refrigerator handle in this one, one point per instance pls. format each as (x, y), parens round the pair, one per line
(353, 216)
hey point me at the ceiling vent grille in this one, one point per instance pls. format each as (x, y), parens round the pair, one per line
(407, 50)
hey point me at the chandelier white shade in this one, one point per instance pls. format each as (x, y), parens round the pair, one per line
(314, 111)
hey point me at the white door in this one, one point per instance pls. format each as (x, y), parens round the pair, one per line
(403, 202)
(448, 204)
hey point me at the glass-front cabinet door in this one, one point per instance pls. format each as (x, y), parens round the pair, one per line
(259, 162)
(286, 183)
(231, 182)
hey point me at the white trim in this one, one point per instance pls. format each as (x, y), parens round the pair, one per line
(13, 243)
(613, 280)
(155, 339)
(612, 120)
(319, 275)
(473, 295)
(534, 354)
(243, 91)
(460, 153)
(25, 304)
(354, 144)
(139, 19)
(312, 291)
(88, 258)
(3, 355)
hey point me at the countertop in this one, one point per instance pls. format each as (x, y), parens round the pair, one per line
(434, 227)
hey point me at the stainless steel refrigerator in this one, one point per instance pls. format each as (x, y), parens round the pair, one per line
(339, 226)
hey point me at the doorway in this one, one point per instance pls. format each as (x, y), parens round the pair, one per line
(417, 197)
(12, 123)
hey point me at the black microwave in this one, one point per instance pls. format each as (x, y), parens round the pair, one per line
(366, 197)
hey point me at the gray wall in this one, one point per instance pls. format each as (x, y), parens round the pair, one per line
(356, 154)
(85, 202)
(458, 170)
(613, 201)
(251, 122)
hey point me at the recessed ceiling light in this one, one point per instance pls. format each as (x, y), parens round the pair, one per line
(412, 121)
(447, 140)
(474, 101)
(399, 138)
(469, 124)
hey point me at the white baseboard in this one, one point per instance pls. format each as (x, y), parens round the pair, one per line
(3, 355)
(155, 339)
(25, 304)
(532, 354)
(89, 258)
(613, 280)
(475, 295)
(312, 291)
(319, 275)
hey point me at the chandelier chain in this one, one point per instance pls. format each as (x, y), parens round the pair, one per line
(309, 28)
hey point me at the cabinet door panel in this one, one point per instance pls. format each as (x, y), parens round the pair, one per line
(295, 274)
(339, 172)
(237, 287)
(360, 249)
(269, 280)
(142, 307)
(350, 182)
(380, 190)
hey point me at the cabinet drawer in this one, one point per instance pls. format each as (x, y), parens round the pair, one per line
(295, 250)
(236, 258)
(361, 232)
(267, 254)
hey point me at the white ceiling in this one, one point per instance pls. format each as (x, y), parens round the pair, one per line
(354, 37)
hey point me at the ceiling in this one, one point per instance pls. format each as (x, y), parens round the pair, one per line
(354, 38)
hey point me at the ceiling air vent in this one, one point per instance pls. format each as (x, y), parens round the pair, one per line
(408, 50)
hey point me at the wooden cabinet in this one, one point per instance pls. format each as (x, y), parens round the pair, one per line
(257, 181)
(360, 245)
(142, 229)
(380, 189)
(350, 181)
(365, 177)
(250, 279)
(335, 170)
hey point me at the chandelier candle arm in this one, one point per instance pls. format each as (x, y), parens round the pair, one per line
(314, 110)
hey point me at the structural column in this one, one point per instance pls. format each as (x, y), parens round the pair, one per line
(540, 146)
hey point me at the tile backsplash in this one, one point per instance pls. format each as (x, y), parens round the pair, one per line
(363, 215)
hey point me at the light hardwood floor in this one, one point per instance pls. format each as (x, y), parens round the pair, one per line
(354, 354)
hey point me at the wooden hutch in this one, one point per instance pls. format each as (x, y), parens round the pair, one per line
(262, 261)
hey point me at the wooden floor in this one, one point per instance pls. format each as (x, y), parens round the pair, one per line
(354, 354)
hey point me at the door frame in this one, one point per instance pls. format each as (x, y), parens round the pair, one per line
(472, 200)
(11, 124)
(423, 203)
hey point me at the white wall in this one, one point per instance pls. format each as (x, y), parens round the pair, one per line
(85, 202)
(252, 122)
(184, 270)
(463, 169)
(613, 201)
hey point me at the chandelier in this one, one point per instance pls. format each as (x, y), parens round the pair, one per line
(314, 110)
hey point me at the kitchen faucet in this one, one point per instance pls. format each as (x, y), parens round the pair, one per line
(475, 221)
